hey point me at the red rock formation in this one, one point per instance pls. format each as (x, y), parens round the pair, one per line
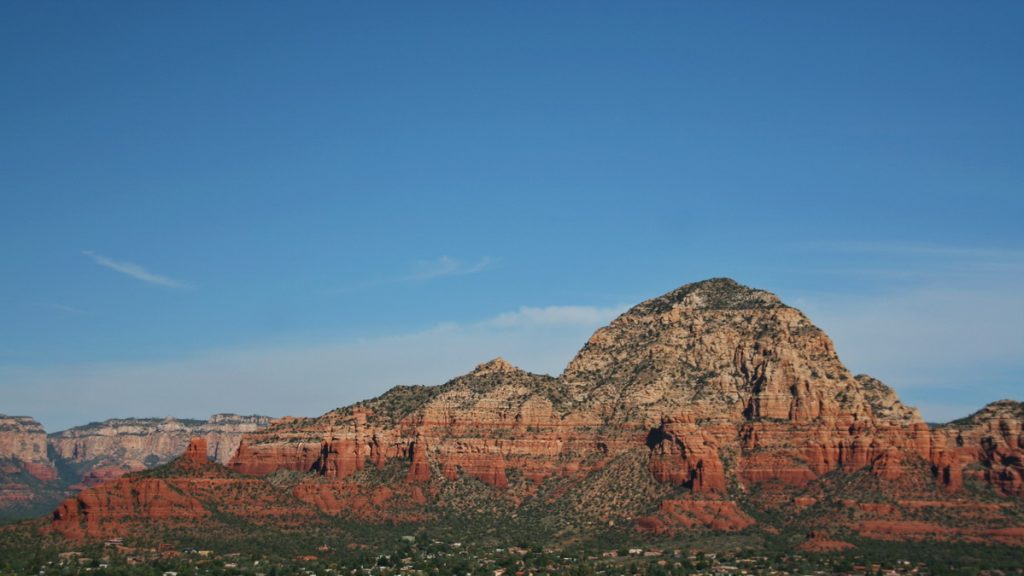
(96, 513)
(819, 541)
(196, 452)
(902, 530)
(993, 438)
(679, 515)
(682, 454)
(419, 470)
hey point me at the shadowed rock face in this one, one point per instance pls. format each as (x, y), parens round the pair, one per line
(716, 390)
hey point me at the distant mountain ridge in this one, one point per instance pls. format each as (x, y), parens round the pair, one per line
(715, 408)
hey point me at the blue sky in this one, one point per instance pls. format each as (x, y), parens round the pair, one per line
(282, 208)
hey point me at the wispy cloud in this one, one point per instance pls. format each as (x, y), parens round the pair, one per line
(448, 266)
(421, 271)
(556, 315)
(924, 251)
(938, 322)
(135, 271)
(63, 308)
(888, 263)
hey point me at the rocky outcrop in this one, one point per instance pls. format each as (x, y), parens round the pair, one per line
(681, 453)
(820, 541)
(675, 516)
(196, 453)
(992, 439)
(99, 512)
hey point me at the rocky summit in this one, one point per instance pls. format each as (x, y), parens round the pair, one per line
(713, 409)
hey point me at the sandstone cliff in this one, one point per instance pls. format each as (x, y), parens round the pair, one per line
(27, 478)
(105, 450)
(22, 438)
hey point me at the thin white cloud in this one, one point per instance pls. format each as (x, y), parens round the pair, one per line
(939, 323)
(556, 315)
(448, 266)
(135, 271)
(929, 337)
(421, 271)
(921, 249)
(63, 308)
(936, 344)
(899, 265)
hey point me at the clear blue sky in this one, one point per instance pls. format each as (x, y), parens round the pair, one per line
(284, 207)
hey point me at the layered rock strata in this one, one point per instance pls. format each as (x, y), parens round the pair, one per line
(104, 450)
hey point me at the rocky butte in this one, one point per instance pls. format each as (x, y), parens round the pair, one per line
(715, 407)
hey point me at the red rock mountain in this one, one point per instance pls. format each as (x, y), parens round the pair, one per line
(698, 410)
